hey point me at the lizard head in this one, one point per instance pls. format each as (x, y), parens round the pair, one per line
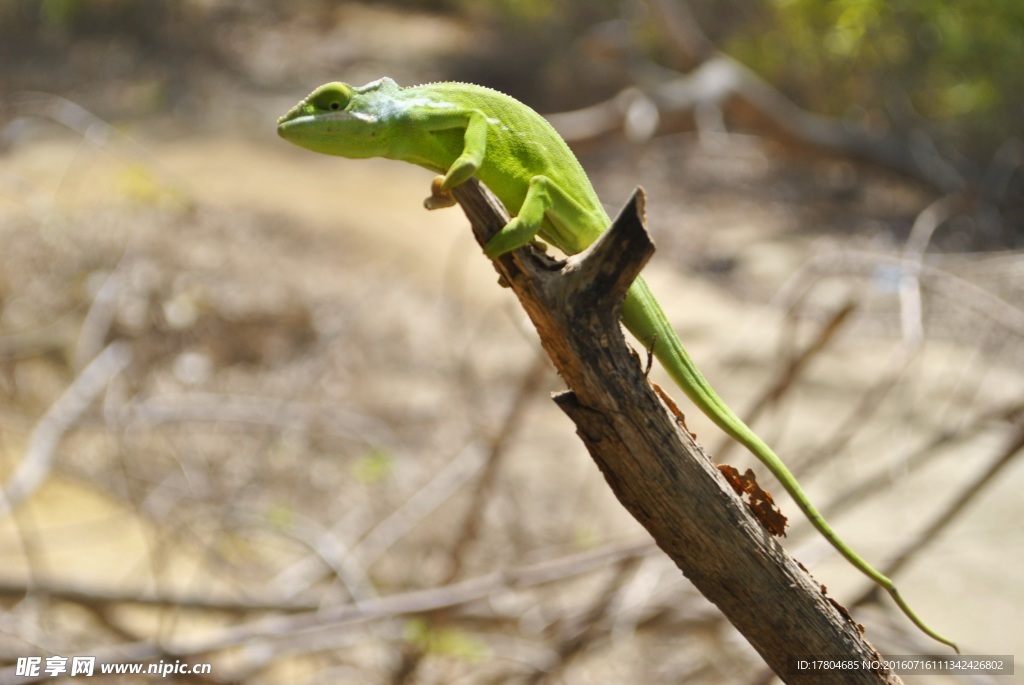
(330, 120)
(330, 97)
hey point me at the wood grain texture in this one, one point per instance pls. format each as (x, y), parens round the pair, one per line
(654, 467)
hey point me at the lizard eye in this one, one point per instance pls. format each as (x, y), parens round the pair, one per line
(331, 97)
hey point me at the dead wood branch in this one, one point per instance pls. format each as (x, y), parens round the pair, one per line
(921, 455)
(788, 376)
(653, 466)
(940, 282)
(52, 338)
(588, 628)
(1014, 447)
(723, 83)
(498, 448)
(552, 570)
(57, 421)
(309, 626)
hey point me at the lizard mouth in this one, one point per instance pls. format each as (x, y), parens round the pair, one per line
(296, 112)
(338, 133)
(298, 120)
(301, 114)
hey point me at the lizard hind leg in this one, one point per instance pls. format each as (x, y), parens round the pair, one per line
(527, 223)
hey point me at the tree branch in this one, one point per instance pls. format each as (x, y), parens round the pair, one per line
(720, 82)
(650, 461)
(57, 421)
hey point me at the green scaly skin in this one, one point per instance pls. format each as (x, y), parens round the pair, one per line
(460, 130)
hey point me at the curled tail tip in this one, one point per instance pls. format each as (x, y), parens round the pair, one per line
(939, 638)
(924, 627)
(946, 641)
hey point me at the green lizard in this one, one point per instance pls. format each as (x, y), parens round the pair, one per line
(462, 130)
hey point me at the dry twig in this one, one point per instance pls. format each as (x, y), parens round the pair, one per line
(58, 419)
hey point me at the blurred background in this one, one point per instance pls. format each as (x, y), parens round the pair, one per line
(259, 410)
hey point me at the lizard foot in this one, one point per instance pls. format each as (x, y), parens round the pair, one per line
(439, 197)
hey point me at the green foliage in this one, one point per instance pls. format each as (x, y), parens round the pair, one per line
(78, 16)
(373, 467)
(955, 64)
(281, 515)
(564, 18)
(532, 14)
(521, 11)
(446, 641)
(59, 12)
(44, 30)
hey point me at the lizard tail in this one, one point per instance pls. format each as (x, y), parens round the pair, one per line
(644, 318)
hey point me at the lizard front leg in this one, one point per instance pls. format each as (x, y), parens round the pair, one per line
(467, 163)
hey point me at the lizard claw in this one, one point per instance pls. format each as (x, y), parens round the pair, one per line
(439, 197)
